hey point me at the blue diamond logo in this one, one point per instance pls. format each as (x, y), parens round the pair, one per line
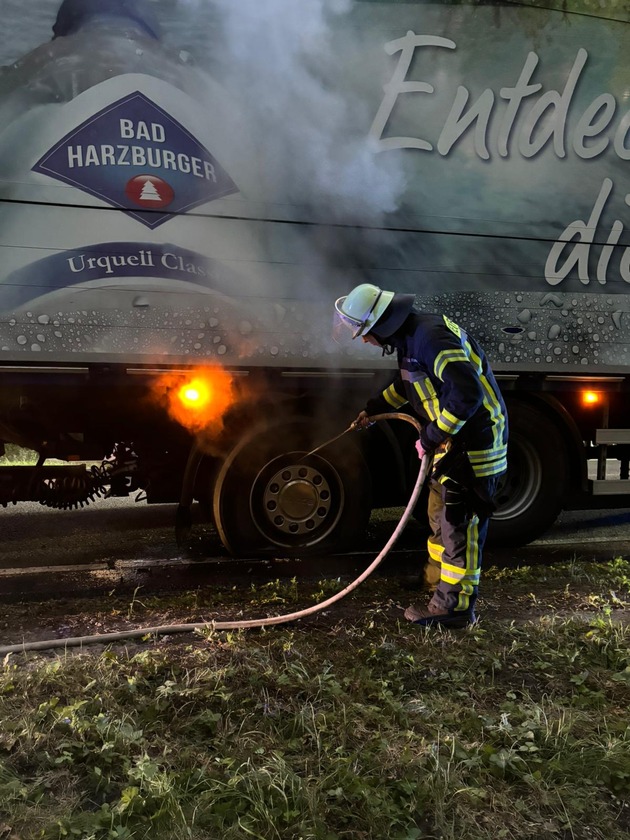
(135, 156)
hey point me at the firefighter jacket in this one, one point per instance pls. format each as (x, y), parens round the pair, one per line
(445, 377)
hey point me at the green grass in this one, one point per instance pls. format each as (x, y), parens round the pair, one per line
(357, 728)
(16, 456)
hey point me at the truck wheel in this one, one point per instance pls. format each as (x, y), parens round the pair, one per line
(529, 497)
(270, 496)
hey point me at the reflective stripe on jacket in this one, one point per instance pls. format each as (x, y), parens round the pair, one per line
(445, 377)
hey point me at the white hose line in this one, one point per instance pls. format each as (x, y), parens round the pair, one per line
(168, 629)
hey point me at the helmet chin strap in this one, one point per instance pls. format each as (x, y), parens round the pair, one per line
(387, 349)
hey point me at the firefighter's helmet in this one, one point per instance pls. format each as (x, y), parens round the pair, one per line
(370, 309)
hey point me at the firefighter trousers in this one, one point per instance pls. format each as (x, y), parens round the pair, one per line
(456, 543)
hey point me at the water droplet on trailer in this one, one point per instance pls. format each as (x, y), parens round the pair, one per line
(554, 331)
(21, 339)
(245, 328)
(41, 338)
(221, 349)
(551, 298)
(141, 301)
(274, 351)
(43, 319)
(525, 316)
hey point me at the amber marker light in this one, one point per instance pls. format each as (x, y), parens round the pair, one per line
(591, 398)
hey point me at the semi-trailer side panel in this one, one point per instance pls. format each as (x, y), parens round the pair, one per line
(182, 188)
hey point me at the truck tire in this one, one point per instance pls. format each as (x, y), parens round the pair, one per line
(271, 497)
(530, 495)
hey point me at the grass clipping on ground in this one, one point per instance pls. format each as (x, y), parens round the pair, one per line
(364, 727)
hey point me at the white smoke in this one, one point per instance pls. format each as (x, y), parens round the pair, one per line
(285, 62)
(289, 68)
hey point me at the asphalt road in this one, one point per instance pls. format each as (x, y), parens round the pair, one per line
(118, 542)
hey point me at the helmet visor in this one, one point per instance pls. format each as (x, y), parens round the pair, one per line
(343, 329)
(358, 327)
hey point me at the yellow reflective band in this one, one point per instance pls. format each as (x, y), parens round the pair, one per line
(480, 456)
(449, 423)
(490, 469)
(435, 551)
(487, 462)
(392, 396)
(428, 397)
(446, 356)
(455, 574)
(461, 579)
(453, 327)
(472, 563)
(463, 602)
(451, 417)
(490, 401)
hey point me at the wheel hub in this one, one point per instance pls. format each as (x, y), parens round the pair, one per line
(296, 499)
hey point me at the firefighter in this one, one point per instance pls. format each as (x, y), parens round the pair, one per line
(444, 376)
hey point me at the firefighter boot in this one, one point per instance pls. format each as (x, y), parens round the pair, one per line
(432, 615)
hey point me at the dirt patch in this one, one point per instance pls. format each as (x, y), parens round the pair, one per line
(516, 596)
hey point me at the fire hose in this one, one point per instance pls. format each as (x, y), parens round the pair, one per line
(168, 629)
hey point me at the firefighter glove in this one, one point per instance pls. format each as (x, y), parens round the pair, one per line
(362, 421)
(420, 449)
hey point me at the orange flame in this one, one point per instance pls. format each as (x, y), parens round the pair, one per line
(198, 400)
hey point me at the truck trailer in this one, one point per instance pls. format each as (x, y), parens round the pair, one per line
(186, 188)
